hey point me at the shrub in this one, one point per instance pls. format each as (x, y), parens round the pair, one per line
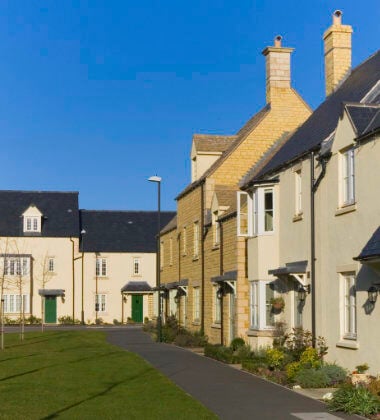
(32, 320)
(188, 339)
(67, 320)
(243, 353)
(236, 343)
(355, 400)
(275, 358)
(150, 327)
(292, 369)
(255, 365)
(299, 340)
(218, 352)
(99, 321)
(362, 368)
(310, 358)
(312, 378)
(335, 373)
(116, 322)
(146, 320)
(374, 387)
(277, 376)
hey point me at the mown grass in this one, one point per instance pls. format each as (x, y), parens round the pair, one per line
(78, 375)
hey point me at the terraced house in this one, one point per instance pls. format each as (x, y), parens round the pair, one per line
(59, 261)
(203, 263)
(321, 250)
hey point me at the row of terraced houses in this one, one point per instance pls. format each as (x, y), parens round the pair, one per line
(286, 207)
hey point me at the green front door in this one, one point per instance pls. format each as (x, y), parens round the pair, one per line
(137, 308)
(50, 309)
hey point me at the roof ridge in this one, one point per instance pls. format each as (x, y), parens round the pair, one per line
(126, 211)
(39, 192)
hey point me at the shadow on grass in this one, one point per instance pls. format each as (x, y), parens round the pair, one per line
(99, 394)
(19, 357)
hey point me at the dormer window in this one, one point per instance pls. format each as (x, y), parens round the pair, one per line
(32, 220)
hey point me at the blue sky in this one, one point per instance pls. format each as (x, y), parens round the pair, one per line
(98, 95)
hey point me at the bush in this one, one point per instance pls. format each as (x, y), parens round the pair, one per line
(374, 387)
(299, 340)
(99, 321)
(243, 353)
(277, 376)
(292, 369)
(67, 320)
(255, 365)
(312, 378)
(218, 352)
(335, 373)
(188, 339)
(236, 343)
(33, 320)
(310, 358)
(275, 358)
(116, 322)
(355, 400)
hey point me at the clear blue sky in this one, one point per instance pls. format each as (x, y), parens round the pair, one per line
(98, 95)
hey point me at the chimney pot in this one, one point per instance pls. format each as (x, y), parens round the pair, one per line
(277, 41)
(337, 17)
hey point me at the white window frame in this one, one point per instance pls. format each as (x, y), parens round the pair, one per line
(16, 266)
(196, 304)
(297, 314)
(348, 306)
(259, 303)
(101, 298)
(215, 229)
(51, 265)
(244, 216)
(347, 179)
(184, 241)
(101, 267)
(172, 304)
(259, 211)
(162, 254)
(137, 266)
(32, 224)
(196, 240)
(298, 192)
(217, 305)
(12, 303)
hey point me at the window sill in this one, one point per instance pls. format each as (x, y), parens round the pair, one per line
(101, 278)
(260, 333)
(349, 344)
(196, 323)
(216, 325)
(215, 247)
(196, 258)
(298, 217)
(345, 209)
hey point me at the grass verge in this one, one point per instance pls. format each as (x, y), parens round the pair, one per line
(78, 375)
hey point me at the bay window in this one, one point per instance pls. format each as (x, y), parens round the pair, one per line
(262, 315)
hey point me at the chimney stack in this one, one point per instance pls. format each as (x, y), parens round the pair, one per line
(277, 63)
(337, 40)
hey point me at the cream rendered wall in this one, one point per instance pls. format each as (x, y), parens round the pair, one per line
(61, 249)
(119, 272)
(342, 237)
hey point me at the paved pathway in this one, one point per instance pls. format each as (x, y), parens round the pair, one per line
(230, 393)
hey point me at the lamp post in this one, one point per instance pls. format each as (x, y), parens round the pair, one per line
(157, 180)
(82, 233)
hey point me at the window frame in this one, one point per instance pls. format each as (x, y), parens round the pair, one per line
(136, 263)
(102, 303)
(15, 302)
(347, 177)
(261, 305)
(348, 306)
(101, 268)
(217, 305)
(298, 192)
(196, 239)
(196, 304)
(215, 229)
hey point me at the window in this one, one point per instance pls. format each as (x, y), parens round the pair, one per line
(298, 308)
(215, 228)
(136, 266)
(101, 267)
(172, 304)
(217, 305)
(196, 303)
(262, 314)
(348, 177)
(349, 306)
(13, 303)
(171, 251)
(298, 192)
(32, 224)
(162, 254)
(51, 265)
(100, 303)
(255, 212)
(16, 266)
(196, 239)
(184, 239)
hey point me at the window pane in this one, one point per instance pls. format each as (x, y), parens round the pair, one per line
(269, 295)
(268, 210)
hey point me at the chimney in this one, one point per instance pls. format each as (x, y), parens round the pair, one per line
(337, 41)
(277, 63)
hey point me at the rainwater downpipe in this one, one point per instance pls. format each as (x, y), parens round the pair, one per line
(203, 259)
(221, 273)
(313, 189)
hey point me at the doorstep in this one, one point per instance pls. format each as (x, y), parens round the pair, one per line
(315, 393)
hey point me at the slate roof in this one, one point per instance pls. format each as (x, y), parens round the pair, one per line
(136, 286)
(363, 117)
(372, 248)
(121, 231)
(324, 119)
(241, 135)
(59, 209)
(212, 143)
(171, 225)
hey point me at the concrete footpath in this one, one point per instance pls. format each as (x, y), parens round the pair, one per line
(230, 393)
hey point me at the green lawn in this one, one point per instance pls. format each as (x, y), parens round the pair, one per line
(77, 375)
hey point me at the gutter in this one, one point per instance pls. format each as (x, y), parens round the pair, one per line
(203, 232)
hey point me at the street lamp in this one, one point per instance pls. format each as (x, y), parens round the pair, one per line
(157, 180)
(82, 233)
